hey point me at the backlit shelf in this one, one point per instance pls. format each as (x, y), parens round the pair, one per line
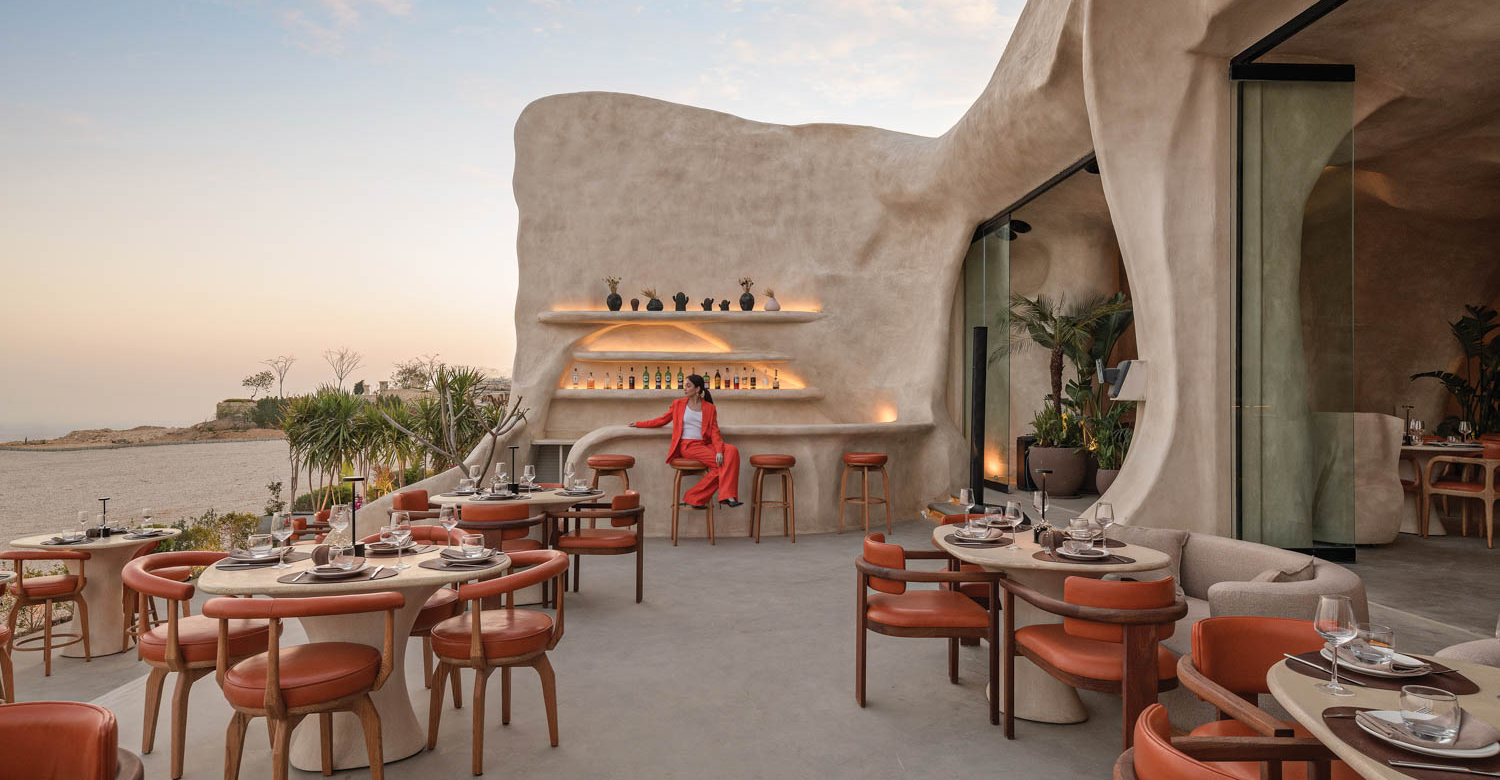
(702, 358)
(801, 394)
(677, 317)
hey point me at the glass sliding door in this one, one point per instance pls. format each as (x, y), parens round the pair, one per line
(987, 304)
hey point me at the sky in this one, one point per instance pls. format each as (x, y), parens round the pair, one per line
(188, 188)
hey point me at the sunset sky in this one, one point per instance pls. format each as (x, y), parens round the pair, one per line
(187, 188)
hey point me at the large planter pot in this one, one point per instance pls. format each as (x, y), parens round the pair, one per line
(1067, 464)
(1105, 478)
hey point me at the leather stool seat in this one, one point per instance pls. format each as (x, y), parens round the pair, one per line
(865, 458)
(503, 633)
(310, 674)
(593, 539)
(198, 638)
(608, 461)
(439, 607)
(687, 464)
(39, 587)
(773, 461)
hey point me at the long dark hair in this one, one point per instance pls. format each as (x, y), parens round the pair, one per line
(702, 385)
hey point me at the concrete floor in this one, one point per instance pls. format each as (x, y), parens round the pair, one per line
(1450, 579)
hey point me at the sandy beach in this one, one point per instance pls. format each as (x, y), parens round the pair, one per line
(43, 492)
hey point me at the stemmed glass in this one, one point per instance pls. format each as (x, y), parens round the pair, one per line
(1464, 429)
(568, 471)
(282, 529)
(1015, 517)
(145, 517)
(475, 472)
(528, 473)
(497, 486)
(401, 533)
(338, 519)
(1334, 621)
(448, 519)
(83, 524)
(1415, 429)
(502, 477)
(1104, 515)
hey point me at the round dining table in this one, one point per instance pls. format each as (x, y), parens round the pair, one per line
(1299, 695)
(1417, 455)
(538, 500)
(103, 586)
(1041, 697)
(402, 733)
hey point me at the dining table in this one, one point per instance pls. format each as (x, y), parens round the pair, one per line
(403, 734)
(1414, 458)
(103, 586)
(1041, 697)
(1328, 718)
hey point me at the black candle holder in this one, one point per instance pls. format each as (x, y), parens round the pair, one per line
(359, 548)
(515, 487)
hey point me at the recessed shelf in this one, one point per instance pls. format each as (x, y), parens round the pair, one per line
(706, 358)
(802, 394)
(677, 317)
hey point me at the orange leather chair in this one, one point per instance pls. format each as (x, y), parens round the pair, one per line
(1227, 668)
(132, 600)
(187, 645)
(1476, 481)
(7, 674)
(1157, 756)
(318, 678)
(895, 611)
(63, 739)
(317, 528)
(440, 606)
(512, 522)
(487, 639)
(45, 590)
(414, 503)
(1105, 626)
(623, 512)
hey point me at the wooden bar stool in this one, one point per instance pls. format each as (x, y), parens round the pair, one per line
(44, 590)
(865, 462)
(606, 465)
(772, 466)
(690, 467)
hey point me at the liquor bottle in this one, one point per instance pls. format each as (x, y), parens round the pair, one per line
(718, 379)
(745, 381)
(590, 385)
(575, 377)
(658, 377)
(632, 377)
(776, 380)
(619, 379)
(645, 377)
(607, 381)
(752, 380)
(736, 380)
(679, 377)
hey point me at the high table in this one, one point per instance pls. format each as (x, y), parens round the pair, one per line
(103, 586)
(1411, 520)
(402, 733)
(1303, 701)
(1040, 696)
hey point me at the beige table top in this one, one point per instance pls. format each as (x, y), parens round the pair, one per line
(1469, 447)
(543, 499)
(107, 543)
(262, 582)
(992, 558)
(1301, 698)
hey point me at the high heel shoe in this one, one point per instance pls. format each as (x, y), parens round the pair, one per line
(730, 502)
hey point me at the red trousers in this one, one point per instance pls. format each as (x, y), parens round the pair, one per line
(725, 478)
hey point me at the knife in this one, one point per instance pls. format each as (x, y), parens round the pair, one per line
(1324, 670)
(376, 573)
(1441, 768)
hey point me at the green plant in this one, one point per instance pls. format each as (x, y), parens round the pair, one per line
(1477, 390)
(1056, 428)
(359, 387)
(268, 412)
(259, 383)
(1108, 437)
(274, 504)
(1061, 329)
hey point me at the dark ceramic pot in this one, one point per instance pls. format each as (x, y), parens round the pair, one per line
(679, 301)
(1104, 478)
(724, 305)
(747, 302)
(654, 305)
(708, 304)
(613, 301)
(635, 304)
(1067, 464)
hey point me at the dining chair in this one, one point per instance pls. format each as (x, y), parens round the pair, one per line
(488, 639)
(414, 503)
(441, 605)
(626, 534)
(1475, 480)
(286, 684)
(132, 601)
(46, 590)
(513, 522)
(317, 527)
(895, 610)
(1227, 669)
(7, 674)
(1156, 755)
(64, 739)
(1108, 641)
(186, 645)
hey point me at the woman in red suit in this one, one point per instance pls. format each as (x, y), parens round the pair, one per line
(695, 435)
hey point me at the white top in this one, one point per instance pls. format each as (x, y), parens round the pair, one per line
(692, 424)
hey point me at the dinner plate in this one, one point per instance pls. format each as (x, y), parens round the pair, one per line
(1087, 555)
(1392, 716)
(582, 492)
(332, 573)
(983, 536)
(457, 556)
(248, 557)
(1375, 671)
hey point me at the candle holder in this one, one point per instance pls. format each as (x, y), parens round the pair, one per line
(515, 487)
(354, 495)
(103, 530)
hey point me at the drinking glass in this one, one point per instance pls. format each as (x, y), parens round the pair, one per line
(472, 545)
(342, 557)
(1104, 515)
(580, 485)
(83, 524)
(1373, 643)
(502, 475)
(568, 472)
(145, 517)
(282, 529)
(466, 484)
(259, 545)
(1464, 429)
(401, 533)
(1430, 713)
(1334, 621)
(448, 519)
(965, 499)
(476, 472)
(1081, 534)
(338, 519)
(528, 473)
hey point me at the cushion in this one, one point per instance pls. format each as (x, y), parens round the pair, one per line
(1304, 573)
(591, 538)
(1166, 540)
(1087, 657)
(198, 639)
(773, 461)
(39, 587)
(927, 609)
(865, 458)
(504, 632)
(607, 461)
(520, 545)
(1181, 640)
(440, 606)
(310, 674)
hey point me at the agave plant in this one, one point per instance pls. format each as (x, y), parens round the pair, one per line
(1477, 389)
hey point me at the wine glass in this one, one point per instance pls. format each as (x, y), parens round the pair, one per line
(568, 471)
(965, 499)
(338, 519)
(282, 530)
(1104, 515)
(448, 519)
(1464, 429)
(476, 471)
(145, 517)
(83, 524)
(1013, 517)
(401, 535)
(1334, 621)
(528, 473)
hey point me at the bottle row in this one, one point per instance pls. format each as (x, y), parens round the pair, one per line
(729, 378)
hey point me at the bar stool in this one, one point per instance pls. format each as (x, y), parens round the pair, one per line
(865, 462)
(772, 466)
(606, 465)
(689, 467)
(30, 591)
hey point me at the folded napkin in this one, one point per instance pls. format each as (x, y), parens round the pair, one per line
(1394, 665)
(1473, 733)
(61, 540)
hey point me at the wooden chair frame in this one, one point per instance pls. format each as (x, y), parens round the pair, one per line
(281, 719)
(1139, 684)
(864, 499)
(1232, 705)
(594, 512)
(866, 570)
(1270, 751)
(621, 474)
(787, 504)
(1487, 494)
(678, 503)
(19, 559)
(480, 526)
(483, 667)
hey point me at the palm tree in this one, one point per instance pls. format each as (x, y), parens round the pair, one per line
(1060, 328)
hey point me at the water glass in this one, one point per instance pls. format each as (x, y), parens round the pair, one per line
(1373, 643)
(580, 485)
(401, 534)
(342, 557)
(472, 545)
(1431, 713)
(1334, 621)
(467, 484)
(568, 472)
(145, 516)
(497, 485)
(1081, 535)
(448, 519)
(259, 545)
(338, 518)
(528, 473)
(282, 529)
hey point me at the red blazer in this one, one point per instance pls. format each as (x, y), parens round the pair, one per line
(674, 415)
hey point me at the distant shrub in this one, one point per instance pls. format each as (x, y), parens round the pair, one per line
(211, 531)
(268, 413)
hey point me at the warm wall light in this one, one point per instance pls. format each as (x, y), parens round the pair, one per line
(994, 465)
(885, 414)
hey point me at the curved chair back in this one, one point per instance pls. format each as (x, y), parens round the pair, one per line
(1236, 652)
(484, 513)
(630, 499)
(891, 556)
(1156, 759)
(425, 533)
(409, 501)
(20, 558)
(1491, 448)
(58, 739)
(138, 573)
(1109, 594)
(542, 565)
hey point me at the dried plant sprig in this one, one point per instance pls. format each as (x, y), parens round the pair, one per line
(613, 282)
(746, 283)
(770, 293)
(649, 292)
